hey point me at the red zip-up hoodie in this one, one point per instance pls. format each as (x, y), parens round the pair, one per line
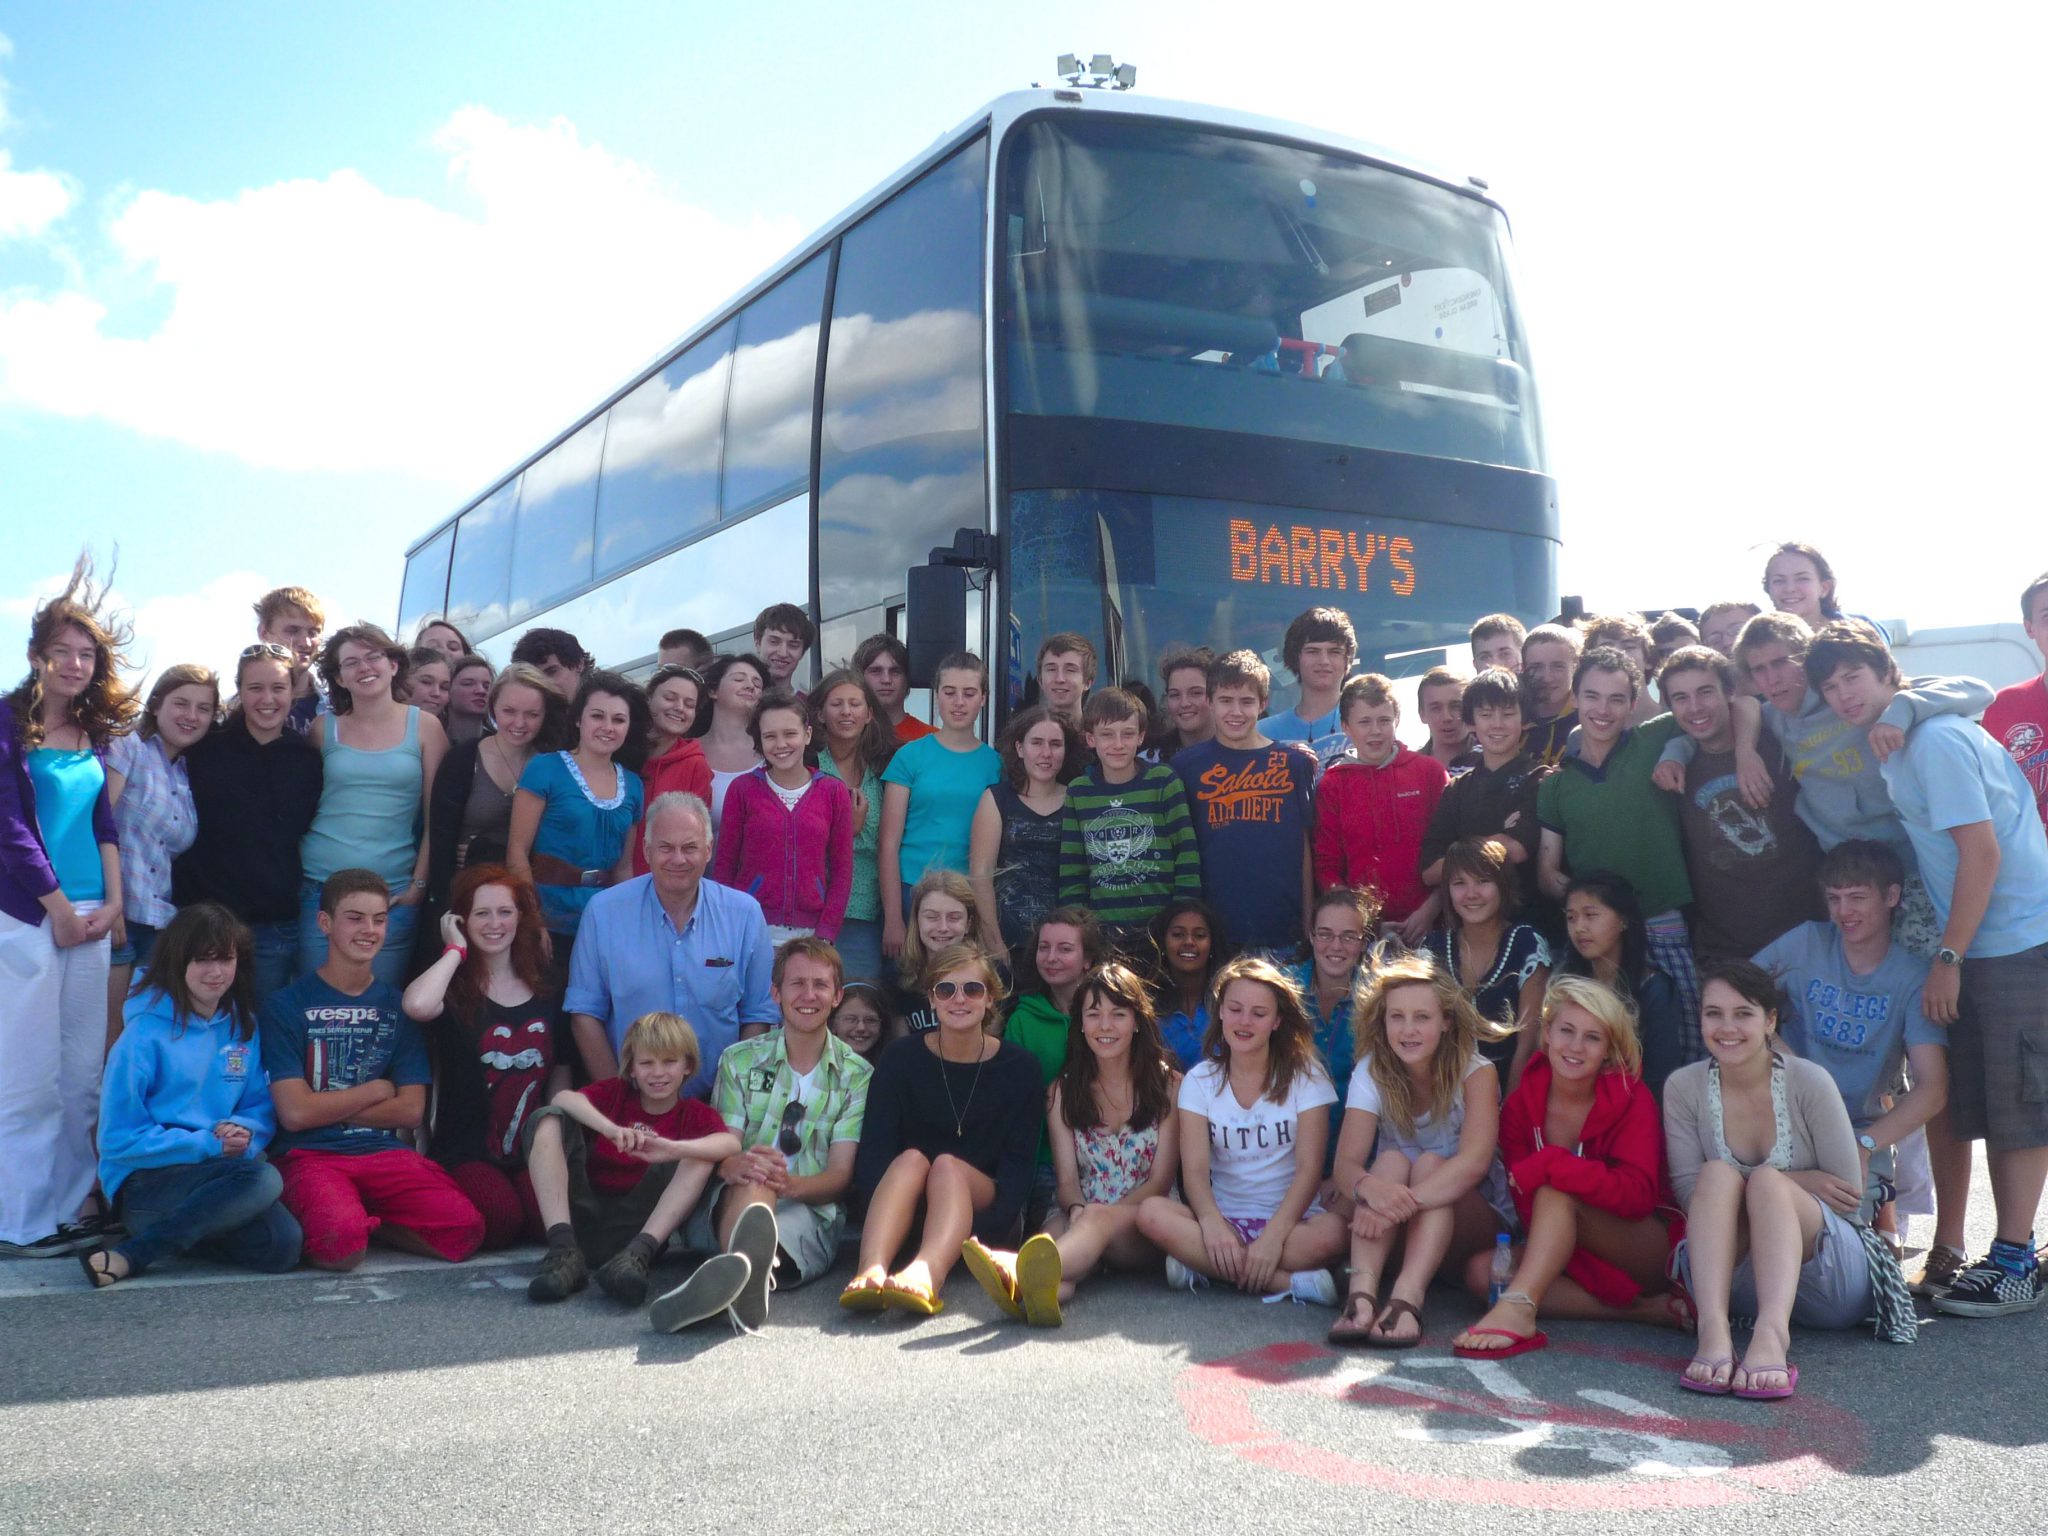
(1617, 1167)
(1369, 826)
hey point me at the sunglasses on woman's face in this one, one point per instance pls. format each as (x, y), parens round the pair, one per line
(789, 1141)
(946, 990)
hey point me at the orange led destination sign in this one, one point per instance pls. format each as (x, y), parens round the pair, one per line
(1334, 559)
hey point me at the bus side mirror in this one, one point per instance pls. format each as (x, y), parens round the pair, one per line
(935, 623)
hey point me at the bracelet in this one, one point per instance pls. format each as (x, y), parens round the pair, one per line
(456, 949)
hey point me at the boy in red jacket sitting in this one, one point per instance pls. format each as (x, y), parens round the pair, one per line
(1373, 808)
(1584, 1150)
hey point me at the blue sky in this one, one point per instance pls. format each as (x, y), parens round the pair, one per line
(280, 285)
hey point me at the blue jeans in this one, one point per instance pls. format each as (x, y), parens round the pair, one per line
(277, 952)
(392, 961)
(225, 1207)
(860, 948)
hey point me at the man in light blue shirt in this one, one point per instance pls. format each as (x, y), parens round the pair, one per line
(1319, 649)
(1855, 1007)
(1970, 816)
(671, 942)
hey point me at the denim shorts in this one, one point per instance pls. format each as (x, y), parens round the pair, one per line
(141, 940)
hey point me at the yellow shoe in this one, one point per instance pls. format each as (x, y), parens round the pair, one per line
(994, 1276)
(919, 1300)
(1038, 1281)
(862, 1298)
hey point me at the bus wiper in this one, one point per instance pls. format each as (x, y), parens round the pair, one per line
(1309, 252)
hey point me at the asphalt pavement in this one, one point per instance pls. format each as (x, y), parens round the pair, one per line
(413, 1396)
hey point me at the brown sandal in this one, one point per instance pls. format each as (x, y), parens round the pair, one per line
(1347, 1335)
(1378, 1340)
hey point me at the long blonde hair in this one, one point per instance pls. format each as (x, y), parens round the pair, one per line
(1463, 1030)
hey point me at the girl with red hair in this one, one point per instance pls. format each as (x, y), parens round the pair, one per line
(500, 1049)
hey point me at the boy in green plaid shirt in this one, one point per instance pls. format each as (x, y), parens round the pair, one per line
(796, 1097)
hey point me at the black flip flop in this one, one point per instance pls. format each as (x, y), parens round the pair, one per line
(102, 1278)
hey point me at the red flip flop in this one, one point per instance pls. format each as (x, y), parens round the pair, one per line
(1525, 1344)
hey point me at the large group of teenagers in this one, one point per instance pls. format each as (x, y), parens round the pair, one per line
(1661, 982)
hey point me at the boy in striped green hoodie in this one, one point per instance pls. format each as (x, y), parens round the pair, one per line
(1127, 844)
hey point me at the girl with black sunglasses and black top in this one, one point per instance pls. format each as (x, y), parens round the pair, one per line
(952, 1121)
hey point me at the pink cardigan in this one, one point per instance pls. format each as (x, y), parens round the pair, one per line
(797, 864)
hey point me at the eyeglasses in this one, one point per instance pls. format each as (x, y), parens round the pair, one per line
(1336, 936)
(264, 648)
(789, 1140)
(945, 990)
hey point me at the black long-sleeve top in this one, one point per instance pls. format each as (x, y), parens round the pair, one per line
(998, 1132)
(254, 801)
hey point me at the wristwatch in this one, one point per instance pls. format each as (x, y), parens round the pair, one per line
(1867, 1142)
(1948, 956)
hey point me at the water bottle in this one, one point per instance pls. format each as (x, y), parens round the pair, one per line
(1503, 1267)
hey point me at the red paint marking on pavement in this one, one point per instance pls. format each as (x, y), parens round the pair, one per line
(1217, 1399)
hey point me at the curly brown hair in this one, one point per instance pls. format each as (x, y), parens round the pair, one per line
(106, 707)
(339, 699)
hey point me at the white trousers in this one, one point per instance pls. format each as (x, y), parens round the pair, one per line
(53, 1043)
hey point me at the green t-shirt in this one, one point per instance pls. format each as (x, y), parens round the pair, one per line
(1612, 817)
(1037, 1025)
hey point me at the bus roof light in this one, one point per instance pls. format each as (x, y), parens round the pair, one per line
(1102, 72)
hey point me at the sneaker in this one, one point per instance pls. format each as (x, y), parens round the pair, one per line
(1987, 1289)
(715, 1285)
(66, 1240)
(1939, 1272)
(755, 1235)
(1315, 1287)
(1180, 1278)
(562, 1274)
(623, 1277)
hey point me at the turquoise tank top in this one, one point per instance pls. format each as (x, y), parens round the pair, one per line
(369, 807)
(68, 786)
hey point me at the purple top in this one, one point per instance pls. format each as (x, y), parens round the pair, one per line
(25, 873)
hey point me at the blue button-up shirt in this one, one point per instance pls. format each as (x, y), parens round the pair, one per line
(717, 973)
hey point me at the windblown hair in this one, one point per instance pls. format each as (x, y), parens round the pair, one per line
(106, 707)
(1463, 1030)
(1613, 1013)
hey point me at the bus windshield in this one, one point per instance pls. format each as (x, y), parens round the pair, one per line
(1187, 277)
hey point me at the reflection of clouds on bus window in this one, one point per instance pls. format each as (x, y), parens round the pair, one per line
(483, 562)
(769, 423)
(668, 428)
(716, 584)
(890, 380)
(886, 525)
(557, 510)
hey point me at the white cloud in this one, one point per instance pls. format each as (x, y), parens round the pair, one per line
(330, 325)
(30, 201)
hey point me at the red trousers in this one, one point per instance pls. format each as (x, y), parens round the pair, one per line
(341, 1198)
(510, 1211)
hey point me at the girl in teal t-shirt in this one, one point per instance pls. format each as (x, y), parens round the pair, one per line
(929, 794)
